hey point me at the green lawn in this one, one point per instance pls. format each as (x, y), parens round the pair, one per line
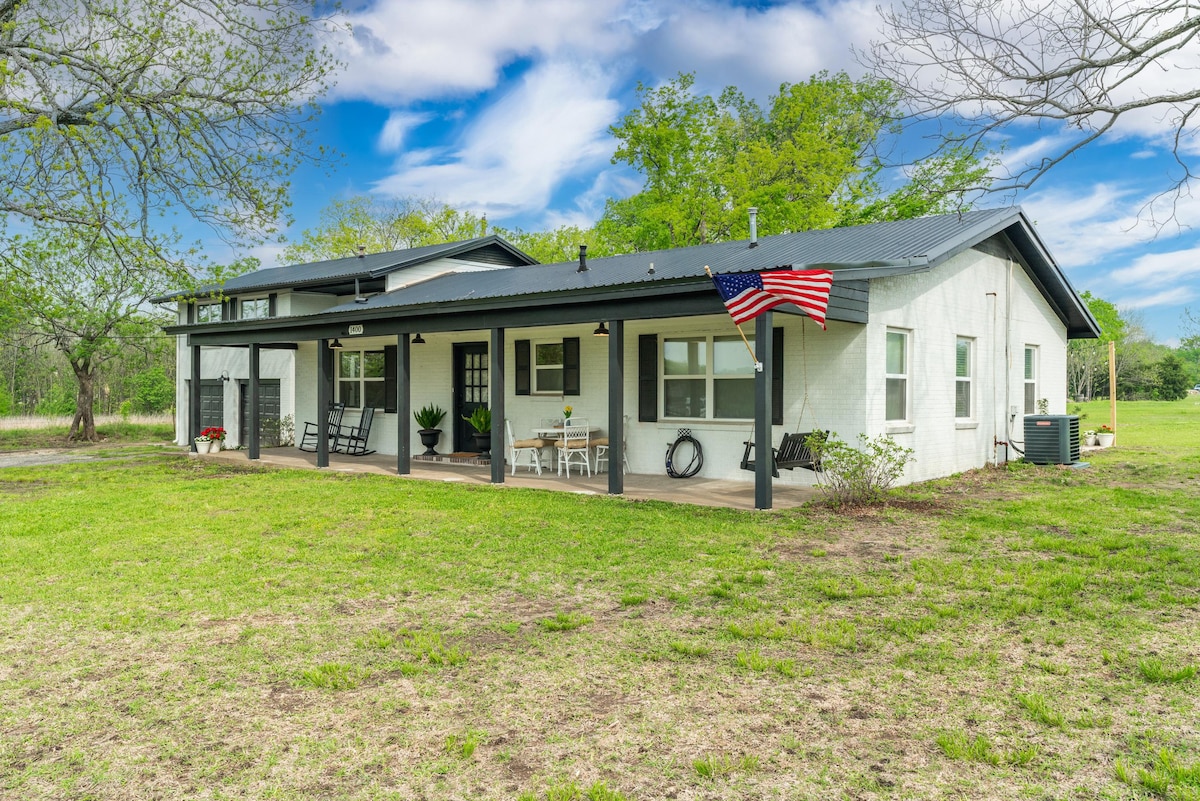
(173, 628)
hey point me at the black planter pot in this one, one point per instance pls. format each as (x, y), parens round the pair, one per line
(429, 438)
(484, 443)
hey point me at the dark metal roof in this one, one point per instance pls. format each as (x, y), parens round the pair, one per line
(339, 273)
(855, 253)
(678, 284)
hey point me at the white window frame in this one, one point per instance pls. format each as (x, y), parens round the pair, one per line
(709, 376)
(266, 301)
(536, 369)
(905, 376)
(967, 379)
(362, 380)
(1030, 368)
(206, 307)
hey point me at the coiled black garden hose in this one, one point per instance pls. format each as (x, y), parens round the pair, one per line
(697, 462)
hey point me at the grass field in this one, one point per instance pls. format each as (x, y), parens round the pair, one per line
(171, 628)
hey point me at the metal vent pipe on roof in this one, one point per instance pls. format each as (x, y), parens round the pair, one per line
(582, 259)
(753, 226)
(362, 251)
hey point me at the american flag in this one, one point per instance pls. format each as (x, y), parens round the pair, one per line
(748, 295)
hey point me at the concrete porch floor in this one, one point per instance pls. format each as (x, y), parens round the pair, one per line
(698, 491)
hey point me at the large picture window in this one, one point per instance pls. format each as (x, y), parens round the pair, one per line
(897, 376)
(548, 368)
(1031, 371)
(360, 380)
(707, 378)
(964, 365)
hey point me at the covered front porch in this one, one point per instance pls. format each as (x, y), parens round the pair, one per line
(638, 487)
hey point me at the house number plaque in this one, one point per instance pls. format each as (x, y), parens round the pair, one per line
(355, 330)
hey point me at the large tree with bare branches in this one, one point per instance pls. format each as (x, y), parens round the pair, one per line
(1088, 68)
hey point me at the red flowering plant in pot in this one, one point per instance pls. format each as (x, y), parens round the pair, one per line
(214, 435)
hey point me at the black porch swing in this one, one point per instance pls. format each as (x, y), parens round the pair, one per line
(793, 450)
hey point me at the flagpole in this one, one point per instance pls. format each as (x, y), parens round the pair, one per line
(753, 357)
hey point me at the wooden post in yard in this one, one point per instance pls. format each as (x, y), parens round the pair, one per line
(1112, 388)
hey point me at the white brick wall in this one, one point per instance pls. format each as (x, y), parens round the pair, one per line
(967, 296)
(972, 295)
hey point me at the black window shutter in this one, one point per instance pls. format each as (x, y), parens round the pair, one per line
(648, 378)
(521, 357)
(571, 366)
(271, 304)
(777, 377)
(191, 312)
(389, 378)
(227, 310)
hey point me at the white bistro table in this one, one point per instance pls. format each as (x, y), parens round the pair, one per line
(555, 432)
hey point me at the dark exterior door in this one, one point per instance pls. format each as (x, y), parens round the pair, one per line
(212, 404)
(470, 390)
(268, 413)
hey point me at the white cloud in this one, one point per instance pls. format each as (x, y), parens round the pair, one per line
(1168, 297)
(1156, 269)
(511, 156)
(396, 129)
(757, 49)
(419, 49)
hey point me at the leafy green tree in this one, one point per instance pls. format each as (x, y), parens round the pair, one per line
(380, 226)
(116, 115)
(560, 244)
(805, 162)
(154, 391)
(86, 298)
(1172, 378)
(1087, 359)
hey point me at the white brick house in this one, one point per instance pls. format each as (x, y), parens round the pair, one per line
(942, 332)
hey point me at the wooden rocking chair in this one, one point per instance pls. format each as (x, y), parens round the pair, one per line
(352, 440)
(309, 441)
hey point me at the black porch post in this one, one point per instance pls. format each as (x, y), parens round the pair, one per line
(496, 380)
(255, 420)
(194, 400)
(324, 397)
(616, 407)
(764, 460)
(403, 406)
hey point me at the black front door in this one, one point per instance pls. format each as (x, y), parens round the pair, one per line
(268, 413)
(470, 390)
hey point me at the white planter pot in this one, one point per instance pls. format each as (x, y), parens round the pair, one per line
(1105, 440)
(203, 447)
(214, 446)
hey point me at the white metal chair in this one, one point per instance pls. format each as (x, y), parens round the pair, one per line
(574, 447)
(516, 447)
(601, 446)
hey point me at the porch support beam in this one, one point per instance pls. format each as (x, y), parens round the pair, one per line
(764, 461)
(403, 406)
(496, 382)
(324, 397)
(254, 401)
(194, 400)
(616, 407)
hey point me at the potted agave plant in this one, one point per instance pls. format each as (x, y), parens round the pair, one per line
(429, 417)
(481, 421)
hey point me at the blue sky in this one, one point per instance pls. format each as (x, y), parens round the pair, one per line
(503, 107)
